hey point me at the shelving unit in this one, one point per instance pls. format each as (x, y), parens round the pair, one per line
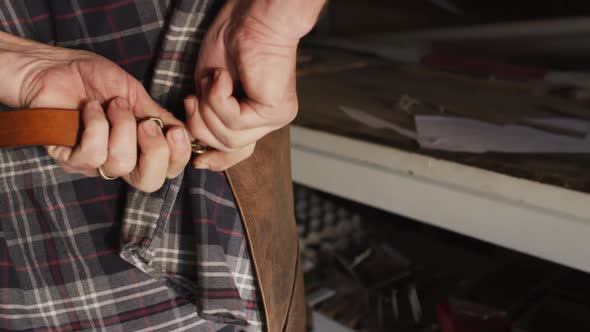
(534, 218)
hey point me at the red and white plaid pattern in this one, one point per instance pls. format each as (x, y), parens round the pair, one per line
(86, 254)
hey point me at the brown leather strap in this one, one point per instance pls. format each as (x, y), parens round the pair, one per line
(39, 127)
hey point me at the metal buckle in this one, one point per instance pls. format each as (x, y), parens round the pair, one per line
(198, 148)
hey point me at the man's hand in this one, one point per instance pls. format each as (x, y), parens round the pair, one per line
(245, 80)
(111, 102)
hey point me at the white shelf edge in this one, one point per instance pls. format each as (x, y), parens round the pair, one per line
(542, 220)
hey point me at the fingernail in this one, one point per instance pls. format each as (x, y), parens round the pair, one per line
(216, 74)
(121, 103)
(202, 163)
(178, 135)
(57, 151)
(151, 128)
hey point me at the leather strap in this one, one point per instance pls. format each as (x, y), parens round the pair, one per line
(43, 126)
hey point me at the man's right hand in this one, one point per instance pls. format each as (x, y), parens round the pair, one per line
(111, 102)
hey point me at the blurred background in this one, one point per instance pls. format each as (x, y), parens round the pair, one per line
(440, 160)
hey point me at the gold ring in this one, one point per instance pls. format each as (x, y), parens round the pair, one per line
(157, 120)
(196, 146)
(104, 176)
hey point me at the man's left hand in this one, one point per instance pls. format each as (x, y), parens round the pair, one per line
(241, 55)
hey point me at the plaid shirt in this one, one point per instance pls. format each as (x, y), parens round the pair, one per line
(87, 254)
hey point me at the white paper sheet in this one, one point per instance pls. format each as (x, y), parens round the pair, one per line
(467, 135)
(372, 121)
(460, 134)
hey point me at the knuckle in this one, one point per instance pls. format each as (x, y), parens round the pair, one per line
(229, 139)
(196, 126)
(112, 114)
(99, 156)
(55, 154)
(68, 170)
(120, 165)
(233, 125)
(214, 97)
(94, 158)
(291, 112)
(245, 155)
(93, 151)
(160, 150)
(179, 159)
(145, 188)
(249, 153)
(99, 125)
(269, 99)
(151, 186)
(173, 173)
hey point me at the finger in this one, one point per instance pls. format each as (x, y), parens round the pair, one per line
(144, 106)
(151, 170)
(220, 161)
(72, 170)
(219, 103)
(180, 151)
(233, 114)
(122, 147)
(231, 140)
(220, 97)
(197, 126)
(59, 153)
(92, 150)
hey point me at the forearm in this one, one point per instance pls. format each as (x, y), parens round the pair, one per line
(20, 59)
(294, 18)
(14, 65)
